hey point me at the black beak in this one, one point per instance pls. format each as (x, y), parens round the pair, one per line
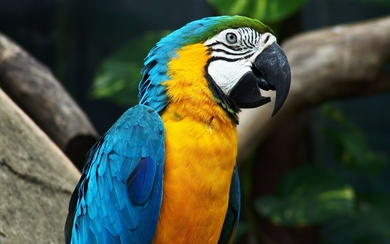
(270, 71)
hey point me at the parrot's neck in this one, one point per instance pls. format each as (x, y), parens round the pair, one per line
(188, 90)
(201, 150)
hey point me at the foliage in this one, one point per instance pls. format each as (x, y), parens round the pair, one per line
(370, 222)
(264, 10)
(346, 195)
(351, 149)
(118, 76)
(308, 195)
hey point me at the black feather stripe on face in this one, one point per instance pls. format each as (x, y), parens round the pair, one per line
(225, 101)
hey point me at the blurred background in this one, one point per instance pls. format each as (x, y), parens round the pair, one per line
(332, 185)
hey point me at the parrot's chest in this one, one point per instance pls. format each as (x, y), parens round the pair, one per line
(200, 158)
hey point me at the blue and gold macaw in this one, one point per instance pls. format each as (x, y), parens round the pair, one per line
(166, 172)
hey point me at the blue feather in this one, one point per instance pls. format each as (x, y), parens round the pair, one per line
(95, 225)
(119, 195)
(141, 180)
(233, 212)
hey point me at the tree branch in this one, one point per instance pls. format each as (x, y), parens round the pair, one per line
(338, 62)
(36, 180)
(33, 87)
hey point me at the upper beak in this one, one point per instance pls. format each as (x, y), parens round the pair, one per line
(270, 71)
(274, 68)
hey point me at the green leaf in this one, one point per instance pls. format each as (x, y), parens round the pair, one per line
(351, 146)
(118, 76)
(370, 223)
(264, 10)
(308, 195)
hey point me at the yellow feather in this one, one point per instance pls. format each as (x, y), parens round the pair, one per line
(201, 149)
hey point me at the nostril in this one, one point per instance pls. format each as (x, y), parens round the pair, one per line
(266, 39)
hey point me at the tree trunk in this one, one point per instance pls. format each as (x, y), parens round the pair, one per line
(36, 180)
(33, 87)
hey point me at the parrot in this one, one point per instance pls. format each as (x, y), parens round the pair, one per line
(166, 172)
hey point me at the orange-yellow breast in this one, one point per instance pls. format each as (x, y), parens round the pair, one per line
(201, 149)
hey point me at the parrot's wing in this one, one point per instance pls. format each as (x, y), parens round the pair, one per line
(118, 197)
(233, 212)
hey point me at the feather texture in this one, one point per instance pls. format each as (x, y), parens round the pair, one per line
(233, 212)
(119, 194)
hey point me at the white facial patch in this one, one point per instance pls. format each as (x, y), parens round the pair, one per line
(227, 74)
(233, 52)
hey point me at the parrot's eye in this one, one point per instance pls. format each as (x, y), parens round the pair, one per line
(231, 38)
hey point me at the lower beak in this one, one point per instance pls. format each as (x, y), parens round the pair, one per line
(270, 71)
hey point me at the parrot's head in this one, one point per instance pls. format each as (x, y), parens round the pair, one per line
(242, 57)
